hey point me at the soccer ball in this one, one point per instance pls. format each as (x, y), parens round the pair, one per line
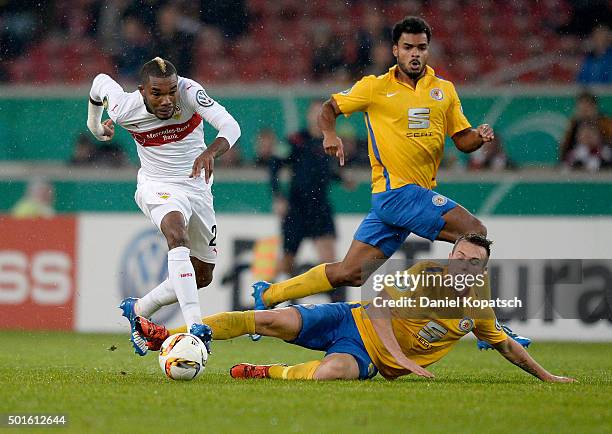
(183, 357)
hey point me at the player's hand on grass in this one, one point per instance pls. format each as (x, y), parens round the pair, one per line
(333, 146)
(108, 130)
(558, 379)
(486, 132)
(205, 161)
(405, 362)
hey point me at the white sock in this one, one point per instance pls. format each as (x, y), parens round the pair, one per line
(182, 278)
(162, 295)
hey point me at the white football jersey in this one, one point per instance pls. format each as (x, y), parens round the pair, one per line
(166, 148)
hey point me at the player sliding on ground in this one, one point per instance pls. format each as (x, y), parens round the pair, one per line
(164, 116)
(361, 339)
(408, 112)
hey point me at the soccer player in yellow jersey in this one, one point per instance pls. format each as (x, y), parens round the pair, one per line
(361, 339)
(408, 112)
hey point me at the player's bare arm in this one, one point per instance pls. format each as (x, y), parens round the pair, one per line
(471, 139)
(518, 356)
(332, 144)
(381, 320)
(206, 160)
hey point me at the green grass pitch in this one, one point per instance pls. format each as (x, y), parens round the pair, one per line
(115, 391)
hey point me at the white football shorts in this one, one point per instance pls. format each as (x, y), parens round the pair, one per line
(193, 199)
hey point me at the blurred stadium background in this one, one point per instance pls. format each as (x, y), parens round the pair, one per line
(538, 71)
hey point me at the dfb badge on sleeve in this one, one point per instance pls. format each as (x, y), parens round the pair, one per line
(203, 99)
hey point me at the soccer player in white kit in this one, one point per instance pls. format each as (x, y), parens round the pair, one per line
(164, 116)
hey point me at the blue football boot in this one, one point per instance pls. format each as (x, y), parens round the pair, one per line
(138, 342)
(258, 289)
(204, 333)
(525, 342)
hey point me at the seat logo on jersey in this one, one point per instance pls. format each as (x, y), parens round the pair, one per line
(439, 200)
(203, 99)
(437, 94)
(418, 118)
(432, 332)
(466, 325)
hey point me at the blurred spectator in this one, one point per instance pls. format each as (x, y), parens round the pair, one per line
(597, 65)
(135, 48)
(37, 200)
(266, 147)
(84, 151)
(232, 157)
(374, 32)
(590, 152)
(230, 17)
(586, 111)
(110, 23)
(110, 155)
(490, 156)
(88, 153)
(173, 42)
(382, 59)
(306, 211)
(328, 53)
(19, 26)
(355, 150)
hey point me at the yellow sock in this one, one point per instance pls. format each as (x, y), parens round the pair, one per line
(226, 325)
(311, 282)
(303, 371)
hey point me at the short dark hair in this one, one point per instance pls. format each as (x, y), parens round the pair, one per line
(157, 67)
(476, 239)
(411, 24)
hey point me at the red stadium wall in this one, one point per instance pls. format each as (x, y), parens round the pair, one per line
(38, 273)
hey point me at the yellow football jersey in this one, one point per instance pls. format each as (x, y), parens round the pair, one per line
(426, 335)
(406, 126)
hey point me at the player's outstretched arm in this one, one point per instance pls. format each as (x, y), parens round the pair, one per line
(470, 139)
(381, 321)
(327, 124)
(518, 356)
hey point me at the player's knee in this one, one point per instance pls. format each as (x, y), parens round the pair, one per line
(177, 238)
(332, 370)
